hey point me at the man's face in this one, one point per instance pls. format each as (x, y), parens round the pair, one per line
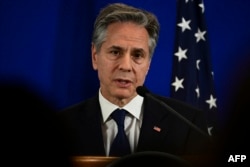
(122, 62)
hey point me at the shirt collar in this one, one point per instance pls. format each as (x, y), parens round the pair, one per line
(134, 107)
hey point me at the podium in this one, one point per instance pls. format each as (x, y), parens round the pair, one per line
(92, 161)
(142, 158)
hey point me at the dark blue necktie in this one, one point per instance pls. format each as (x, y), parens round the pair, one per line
(120, 145)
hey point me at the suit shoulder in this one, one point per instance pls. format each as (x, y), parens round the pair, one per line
(175, 103)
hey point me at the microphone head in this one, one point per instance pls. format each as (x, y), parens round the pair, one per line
(142, 91)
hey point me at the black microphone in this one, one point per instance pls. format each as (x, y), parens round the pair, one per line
(143, 91)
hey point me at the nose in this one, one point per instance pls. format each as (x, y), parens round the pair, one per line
(125, 63)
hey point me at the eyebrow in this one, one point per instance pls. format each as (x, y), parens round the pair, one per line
(133, 49)
(116, 47)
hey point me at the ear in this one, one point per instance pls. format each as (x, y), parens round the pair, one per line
(93, 56)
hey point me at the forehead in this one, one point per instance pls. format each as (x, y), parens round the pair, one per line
(127, 33)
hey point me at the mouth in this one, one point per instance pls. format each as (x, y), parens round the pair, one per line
(123, 83)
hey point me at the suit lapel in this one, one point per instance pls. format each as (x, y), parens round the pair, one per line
(91, 126)
(154, 127)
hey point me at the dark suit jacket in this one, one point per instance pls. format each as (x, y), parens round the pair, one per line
(82, 126)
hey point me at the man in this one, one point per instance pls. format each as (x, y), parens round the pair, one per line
(123, 43)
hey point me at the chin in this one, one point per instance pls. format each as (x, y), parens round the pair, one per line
(123, 94)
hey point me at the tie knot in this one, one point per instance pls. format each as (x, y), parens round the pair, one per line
(119, 116)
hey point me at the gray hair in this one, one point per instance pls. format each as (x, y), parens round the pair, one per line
(119, 12)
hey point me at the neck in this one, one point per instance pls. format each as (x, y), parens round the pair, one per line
(119, 101)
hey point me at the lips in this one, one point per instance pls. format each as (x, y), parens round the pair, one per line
(123, 82)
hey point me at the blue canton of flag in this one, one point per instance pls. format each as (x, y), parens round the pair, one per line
(192, 77)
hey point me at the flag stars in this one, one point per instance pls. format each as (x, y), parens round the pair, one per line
(184, 24)
(197, 90)
(178, 83)
(192, 75)
(200, 35)
(211, 102)
(198, 64)
(181, 54)
(212, 73)
(187, 1)
(201, 5)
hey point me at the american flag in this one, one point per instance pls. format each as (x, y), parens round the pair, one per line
(192, 76)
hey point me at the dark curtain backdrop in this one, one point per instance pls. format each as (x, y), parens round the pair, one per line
(45, 44)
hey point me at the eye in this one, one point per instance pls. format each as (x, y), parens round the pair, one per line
(115, 52)
(137, 55)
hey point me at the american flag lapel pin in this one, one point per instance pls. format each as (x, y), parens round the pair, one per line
(156, 128)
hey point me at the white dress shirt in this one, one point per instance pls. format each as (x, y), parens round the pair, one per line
(132, 121)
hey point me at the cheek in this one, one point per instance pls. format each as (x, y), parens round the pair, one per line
(104, 68)
(100, 63)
